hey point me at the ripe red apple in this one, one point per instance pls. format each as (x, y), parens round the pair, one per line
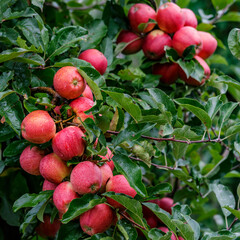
(53, 168)
(180, 238)
(168, 72)
(69, 143)
(119, 184)
(154, 43)
(68, 82)
(190, 18)
(164, 229)
(63, 195)
(48, 185)
(166, 204)
(79, 106)
(47, 229)
(134, 42)
(38, 127)
(86, 177)
(141, 13)
(30, 159)
(97, 219)
(192, 81)
(106, 175)
(209, 44)
(96, 58)
(108, 156)
(170, 18)
(185, 37)
(152, 221)
(88, 93)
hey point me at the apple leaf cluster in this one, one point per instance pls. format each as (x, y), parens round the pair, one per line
(176, 142)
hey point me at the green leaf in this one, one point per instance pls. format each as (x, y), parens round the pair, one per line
(238, 190)
(224, 197)
(156, 234)
(160, 188)
(220, 4)
(164, 216)
(29, 12)
(80, 205)
(194, 226)
(22, 44)
(229, 81)
(233, 130)
(97, 30)
(11, 54)
(70, 231)
(236, 213)
(131, 171)
(5, 94)
(128, 231)
(31, 58)
(230, 17)
(185, 229)
(4, 78)
(11, 109)
(38, 3)
(6, 132)
(15, 148)
(64, 39)
(195, 107)
(31, 200)
(213, 106)
(8, 36)
(234, 42)
(126, 103)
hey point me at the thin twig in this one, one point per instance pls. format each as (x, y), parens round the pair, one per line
(130, 220)
(220, 14)
(233, 222)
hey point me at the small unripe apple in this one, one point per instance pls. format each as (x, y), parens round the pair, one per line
(119, 184)
(63, 195)
(134, 42)
(170, 18)
(88, 93)
(185, 37)
(164, 229)
(79, 106)
(38, 127)
(96, 58)
(154, 43)
(86, 177)
(53, 168)
(48, 185)
(97, 219)
(106, 175)
(168, 71)
(193, 82)
(47, 229)
(190, 18)
(69, 143)
(166, 204)
(68, 82)
(30, 159)
(108, 156)
(209, 44)
(141, 13)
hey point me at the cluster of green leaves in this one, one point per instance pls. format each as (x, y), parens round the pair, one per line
(197, 165)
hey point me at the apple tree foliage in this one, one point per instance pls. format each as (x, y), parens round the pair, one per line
(194, 157)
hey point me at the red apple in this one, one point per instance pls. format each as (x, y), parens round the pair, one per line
(63, 195)
(30, 159)
(154, 43)
(88, 93)
(164, 229)
(108, 156)
(47, 229)
(190, 18)
(170, 18)
(141, 13)
(192, 81)
(68, 82)
(166, 204)
(79, 106)
(48, 185)
(119, 184)
(106, 175)
(209, 44)
(180, 238)
(134, 42)
(53, 168)
(152, 221)
(86, 177)
(96, 58)
(168, 72)
(97, 219)
(185, 37)
(69, 143)
(38, 127)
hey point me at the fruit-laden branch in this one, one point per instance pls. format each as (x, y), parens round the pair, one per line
(56, 96)
(130, 220)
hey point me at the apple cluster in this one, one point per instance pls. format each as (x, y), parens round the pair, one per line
(170, 26)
